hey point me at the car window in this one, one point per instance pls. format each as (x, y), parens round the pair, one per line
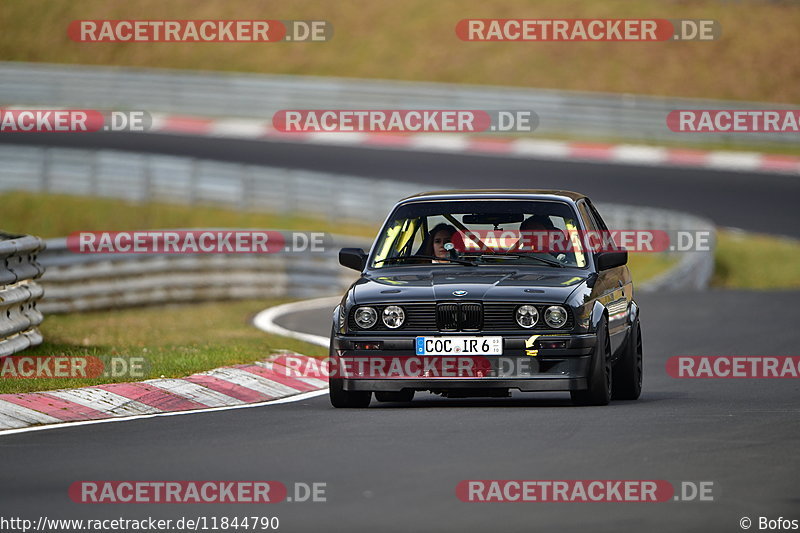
(481, 231)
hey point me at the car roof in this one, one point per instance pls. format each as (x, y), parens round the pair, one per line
(488, 194)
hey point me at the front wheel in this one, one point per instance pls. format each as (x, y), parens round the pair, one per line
(628, 370)
(339, 397)
(347, 399)
(600, 376)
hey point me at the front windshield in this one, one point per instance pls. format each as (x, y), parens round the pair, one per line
(480, 232)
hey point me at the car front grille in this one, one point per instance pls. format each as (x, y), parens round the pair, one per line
(459, 316)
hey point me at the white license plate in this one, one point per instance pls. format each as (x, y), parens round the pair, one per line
(459, 345)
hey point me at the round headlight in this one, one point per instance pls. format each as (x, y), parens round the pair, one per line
(366, 317)
(555, 316)
(527, 316)
(393, 316)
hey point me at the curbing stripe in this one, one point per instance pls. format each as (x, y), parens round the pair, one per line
(188, 124)
(254, 382)
(56, 407)
(194, 392)
(591, 151)
(525, 148)
(14, 416)
(241, 394)
(237, 128)
(104, 401)
(271, 375)
(152, 396)
(442, 142)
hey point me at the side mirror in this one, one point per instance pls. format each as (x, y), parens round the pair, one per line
(354, 258)
(607, 260)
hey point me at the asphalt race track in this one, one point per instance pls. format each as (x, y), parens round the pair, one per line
(394, 468)
(748, 200)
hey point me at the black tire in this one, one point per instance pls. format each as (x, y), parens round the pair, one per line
(341, 398)
(628, 370)
(347, 399)
(600, 375)
(405, 395)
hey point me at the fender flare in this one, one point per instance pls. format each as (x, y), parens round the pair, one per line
(598, 311)
(633, 316)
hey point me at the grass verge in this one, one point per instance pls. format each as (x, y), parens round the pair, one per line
(173, 341)
(23, 213)
(753, 261)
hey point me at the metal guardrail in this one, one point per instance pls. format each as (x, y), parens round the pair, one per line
(82, 282)
(570, 113)
(19, 293)
(148, 177)
(694, 268)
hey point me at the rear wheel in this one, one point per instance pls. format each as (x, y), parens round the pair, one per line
(600, 376)
(628, 370)
(405, 395)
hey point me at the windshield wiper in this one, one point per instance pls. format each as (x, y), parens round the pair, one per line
(551, 262)
(401, 259)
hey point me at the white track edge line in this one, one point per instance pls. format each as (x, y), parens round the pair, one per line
(265, 320)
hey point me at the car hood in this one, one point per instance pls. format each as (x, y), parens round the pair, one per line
(494, 285)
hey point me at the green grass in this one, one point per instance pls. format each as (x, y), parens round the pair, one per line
(755, 58)
(750, 261)
(644, 266)
(175, 341)
(56, 215)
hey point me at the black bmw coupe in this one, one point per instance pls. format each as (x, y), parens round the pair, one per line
(472, 293)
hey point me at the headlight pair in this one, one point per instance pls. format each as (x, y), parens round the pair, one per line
(392, 316)
(527, 316)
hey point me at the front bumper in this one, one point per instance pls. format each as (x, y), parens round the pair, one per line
(524, 365)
